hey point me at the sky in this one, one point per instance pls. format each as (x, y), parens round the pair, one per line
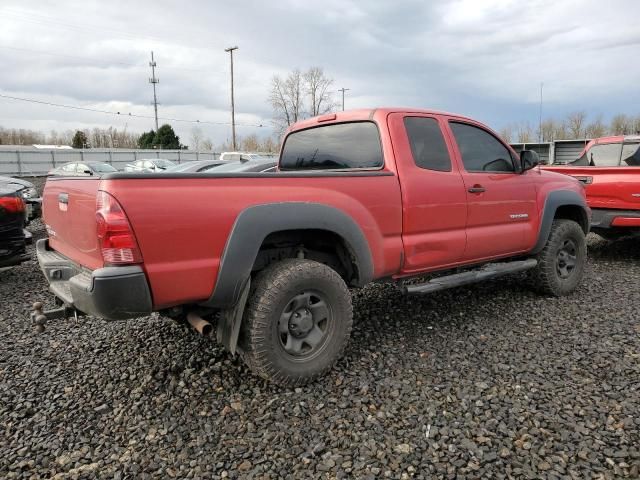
(482, 58)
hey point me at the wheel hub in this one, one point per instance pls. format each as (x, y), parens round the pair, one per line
(301, 322)
(566, 259)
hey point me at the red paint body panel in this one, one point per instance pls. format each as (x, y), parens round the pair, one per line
(414, 220)
(609, 187)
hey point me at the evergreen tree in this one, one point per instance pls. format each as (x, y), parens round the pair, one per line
(166, 138)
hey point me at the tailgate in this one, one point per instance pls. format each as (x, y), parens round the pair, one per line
(69, 215)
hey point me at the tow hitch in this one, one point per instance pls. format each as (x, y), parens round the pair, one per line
(39, 317)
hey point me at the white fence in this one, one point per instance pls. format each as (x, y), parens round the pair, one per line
(33, 162)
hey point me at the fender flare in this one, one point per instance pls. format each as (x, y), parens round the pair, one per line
(555, 200)
(255, 223)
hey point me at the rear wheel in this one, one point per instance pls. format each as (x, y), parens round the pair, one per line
(561, 262)
(297, 322)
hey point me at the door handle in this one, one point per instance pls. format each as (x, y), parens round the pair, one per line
(63, 197)
(477, 189)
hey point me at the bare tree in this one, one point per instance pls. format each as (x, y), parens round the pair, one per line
(289, 96)
(596, 128)
(316, 85)
(621, 125)
(250, 143)
(525, 133)
(286, 99)
(269, 145)
(196, 138)
(207, 144)
(506, 133)
(575, 124)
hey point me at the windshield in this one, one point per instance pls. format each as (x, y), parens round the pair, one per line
(102, 168)
(163, 163)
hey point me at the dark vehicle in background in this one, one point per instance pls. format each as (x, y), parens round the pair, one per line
(257, 165)
(82, 169)
(194, 167)
(609, 168)
(12, 236)
(28, 192)
(149, 165)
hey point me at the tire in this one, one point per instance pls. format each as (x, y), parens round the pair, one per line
(561, 262)
(297, 322)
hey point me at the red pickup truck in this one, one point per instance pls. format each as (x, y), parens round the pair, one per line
(383, 194)
(609, 168)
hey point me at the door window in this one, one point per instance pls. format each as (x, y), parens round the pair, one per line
(631, 155)
(427, 144)
(481, 151)
(69, 168)
(605, 155)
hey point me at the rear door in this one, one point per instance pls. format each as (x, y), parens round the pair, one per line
(501, 202)
(433, 195)
(69, 215)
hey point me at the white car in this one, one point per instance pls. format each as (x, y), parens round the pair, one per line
(241, 156)
(149, 165)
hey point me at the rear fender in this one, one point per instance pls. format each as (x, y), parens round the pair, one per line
(255, 223)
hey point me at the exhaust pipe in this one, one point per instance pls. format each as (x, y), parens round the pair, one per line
(199, 324)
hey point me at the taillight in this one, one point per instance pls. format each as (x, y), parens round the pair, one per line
(116, 238)
(12, 204)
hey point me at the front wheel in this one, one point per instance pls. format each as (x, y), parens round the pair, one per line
(561, 262)
(297, 322)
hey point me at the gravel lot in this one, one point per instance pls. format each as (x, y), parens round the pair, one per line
(487, 381)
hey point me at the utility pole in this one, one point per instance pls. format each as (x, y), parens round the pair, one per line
(233, 110)
(540, 138)
(343, 90)
(153, 80)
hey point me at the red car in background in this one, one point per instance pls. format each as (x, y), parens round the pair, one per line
(609, 167)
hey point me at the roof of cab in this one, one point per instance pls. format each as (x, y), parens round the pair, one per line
(363, 114)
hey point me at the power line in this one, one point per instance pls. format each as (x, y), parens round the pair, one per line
(123, 114)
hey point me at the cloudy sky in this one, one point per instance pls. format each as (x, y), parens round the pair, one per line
(483, 58)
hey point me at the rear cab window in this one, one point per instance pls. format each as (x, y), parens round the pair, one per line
(604, 155)
(427, 143)
(631, 155)
(337, 146)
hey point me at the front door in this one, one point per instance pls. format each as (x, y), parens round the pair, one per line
(501, 202)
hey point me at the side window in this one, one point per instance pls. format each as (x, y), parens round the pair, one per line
(605, 155)
(631, 155)
(81, 168)
(481, 151)
(427, 144)
(70, 168)
(333, 146)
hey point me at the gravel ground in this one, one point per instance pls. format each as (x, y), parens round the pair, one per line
(487, 381)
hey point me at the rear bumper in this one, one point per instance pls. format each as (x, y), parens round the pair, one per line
(114, 293)
(607, 218)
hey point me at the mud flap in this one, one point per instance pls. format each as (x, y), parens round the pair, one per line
(230, 320)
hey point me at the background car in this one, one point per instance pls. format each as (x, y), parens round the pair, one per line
(194, 167)
(149, 165)
(237, 156)
(28, 192)
(12, 236)
(81, 169)
(256, 165)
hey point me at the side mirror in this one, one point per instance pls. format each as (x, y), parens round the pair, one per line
(529, 159)
(87, 172)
